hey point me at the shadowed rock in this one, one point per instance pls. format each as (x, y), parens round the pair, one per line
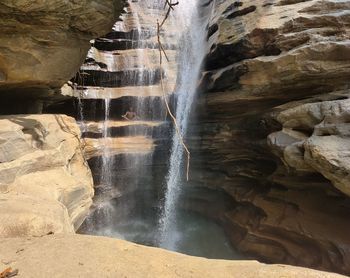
(42, 46)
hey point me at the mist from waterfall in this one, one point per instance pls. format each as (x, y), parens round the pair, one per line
(191, 51)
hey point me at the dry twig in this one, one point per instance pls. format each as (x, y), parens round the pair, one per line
(8, 272)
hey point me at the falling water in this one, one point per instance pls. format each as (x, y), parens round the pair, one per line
(190, 56)
(127, 203)
(106, 157)
(139, 65)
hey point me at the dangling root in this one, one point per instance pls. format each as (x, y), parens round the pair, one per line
(161, 52)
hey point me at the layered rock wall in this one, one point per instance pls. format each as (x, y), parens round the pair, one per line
(122, 73)
(45, 183)
(43, 43)
(272, 128)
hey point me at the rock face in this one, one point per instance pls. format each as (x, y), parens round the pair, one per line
(45, 184)
(272, 128)
(84, 256)
(121, 72)
(318, 139)
(43, 43)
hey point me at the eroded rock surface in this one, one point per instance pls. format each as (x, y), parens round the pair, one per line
(86, 256)
(45, 184)
(273, 128)
(43, 43)
(323, 142)
(120, 73)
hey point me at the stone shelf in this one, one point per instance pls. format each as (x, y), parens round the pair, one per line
(90, 92)
(114, 146)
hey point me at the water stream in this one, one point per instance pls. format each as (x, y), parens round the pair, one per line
(191, 51)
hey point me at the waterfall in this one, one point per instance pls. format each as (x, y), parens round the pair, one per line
(123, 169)
(191, 51)
(132, 47)
(107, 159)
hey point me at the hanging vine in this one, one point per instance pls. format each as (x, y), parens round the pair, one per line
(170, 6)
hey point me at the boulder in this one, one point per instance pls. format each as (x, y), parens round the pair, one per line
(43, 43)
(330, 155)
(45, 183)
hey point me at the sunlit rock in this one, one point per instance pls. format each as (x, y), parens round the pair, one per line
(45, 182)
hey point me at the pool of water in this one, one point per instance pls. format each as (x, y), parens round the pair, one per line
(136, 219)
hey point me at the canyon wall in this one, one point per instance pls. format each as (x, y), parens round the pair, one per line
(272, 128)
(43, 44)
(45, 183)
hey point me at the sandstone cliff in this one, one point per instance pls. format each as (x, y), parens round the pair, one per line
(45, 183)
(43, 43)
(273, 128)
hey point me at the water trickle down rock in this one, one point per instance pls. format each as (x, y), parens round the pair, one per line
(42, 45)
(122, 72)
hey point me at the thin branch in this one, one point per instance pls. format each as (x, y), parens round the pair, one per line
(170, 7)
(161, 52)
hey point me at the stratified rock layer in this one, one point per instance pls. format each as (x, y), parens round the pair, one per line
(43, 43)
(45, 184)
(273, 125)
(122, 72)
(85, 256)
(319, 139)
